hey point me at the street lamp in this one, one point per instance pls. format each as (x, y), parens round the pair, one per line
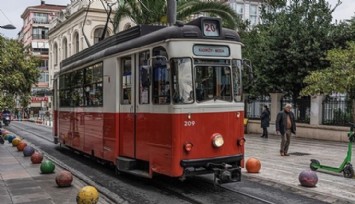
(8, 27)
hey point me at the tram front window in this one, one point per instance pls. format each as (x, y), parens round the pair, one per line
(182, 90)
(213, 83)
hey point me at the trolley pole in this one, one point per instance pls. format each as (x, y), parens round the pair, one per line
(171, 12)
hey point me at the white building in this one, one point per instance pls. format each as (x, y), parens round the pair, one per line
(78, 27)
(247, 9)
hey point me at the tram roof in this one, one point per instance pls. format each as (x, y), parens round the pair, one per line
(142, 35)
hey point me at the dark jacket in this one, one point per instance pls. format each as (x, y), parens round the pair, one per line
(281, 122)
(265, 119)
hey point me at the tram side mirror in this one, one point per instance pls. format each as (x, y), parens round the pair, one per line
(145, 76)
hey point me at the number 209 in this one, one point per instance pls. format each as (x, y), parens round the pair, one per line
(189, 123)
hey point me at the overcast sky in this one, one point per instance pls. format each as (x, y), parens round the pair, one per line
(11, 10)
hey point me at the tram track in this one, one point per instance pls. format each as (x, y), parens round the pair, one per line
(160, 189)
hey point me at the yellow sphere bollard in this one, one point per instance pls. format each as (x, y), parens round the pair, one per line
(87, 195)
(16, 141)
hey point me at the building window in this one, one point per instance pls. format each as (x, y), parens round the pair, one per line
(44, 65)
(253, 14)
(55, 53)
(98, 34)
(76, 42)
(40, 18)
(39, 33)
(238, 8)
(65, 48)
(44, 78)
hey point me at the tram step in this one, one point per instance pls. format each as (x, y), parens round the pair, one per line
(124, 163)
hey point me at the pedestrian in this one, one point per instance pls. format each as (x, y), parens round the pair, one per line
(265, 121)
(285, 125)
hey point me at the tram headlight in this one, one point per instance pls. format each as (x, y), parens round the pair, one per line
(217, 140)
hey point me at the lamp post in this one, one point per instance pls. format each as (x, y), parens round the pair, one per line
(8, 27)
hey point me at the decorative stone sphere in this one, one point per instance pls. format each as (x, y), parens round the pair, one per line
(64, 178)
(10, 138)
(36, 158)
(308, 178)
(87, 194)
(21, 146)
(253, 165)
(28, 151)
(47, 167)
(4, 132)
(5, 136)
(15, 141)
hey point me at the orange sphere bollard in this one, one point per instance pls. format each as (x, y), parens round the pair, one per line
(21, 146)
(253, 165)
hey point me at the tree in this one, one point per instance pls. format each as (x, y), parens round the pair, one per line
(155, 11)
(18, 72)
(291, 41)
(338, 78)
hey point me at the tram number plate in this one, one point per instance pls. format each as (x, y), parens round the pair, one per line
(210, 29)
(189, 123)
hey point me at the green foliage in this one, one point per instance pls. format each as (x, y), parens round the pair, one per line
(291, 41)
(18, 71)
(155, 11)
(339, 77)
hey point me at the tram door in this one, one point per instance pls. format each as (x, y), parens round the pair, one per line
(134, 104)
(127, 107)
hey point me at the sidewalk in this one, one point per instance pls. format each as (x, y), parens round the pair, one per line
(283, 171)
(22, 182)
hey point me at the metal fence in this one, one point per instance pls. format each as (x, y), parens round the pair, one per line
(336, 110)
(254, 107)
(301, 108)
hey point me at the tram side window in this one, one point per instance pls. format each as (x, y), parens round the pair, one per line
(161, 83)
(144, 78)
(77, 83)
(126, 80)
(93, 87)
(181, 70)
(65, 90)
(237, 78)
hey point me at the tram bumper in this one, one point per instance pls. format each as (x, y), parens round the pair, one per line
(225, 169)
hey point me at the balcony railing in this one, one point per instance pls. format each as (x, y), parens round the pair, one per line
(39, 36)
(40, 20)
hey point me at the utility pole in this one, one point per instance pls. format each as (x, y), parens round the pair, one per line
(171, 12)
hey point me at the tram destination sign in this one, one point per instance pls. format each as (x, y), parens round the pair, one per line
(211, 50)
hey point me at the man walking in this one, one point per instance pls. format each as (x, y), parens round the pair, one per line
(285, 125)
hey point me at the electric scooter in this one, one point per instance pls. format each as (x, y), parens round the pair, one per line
(346, 167)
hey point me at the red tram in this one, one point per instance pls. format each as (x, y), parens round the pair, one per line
(157, 100)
